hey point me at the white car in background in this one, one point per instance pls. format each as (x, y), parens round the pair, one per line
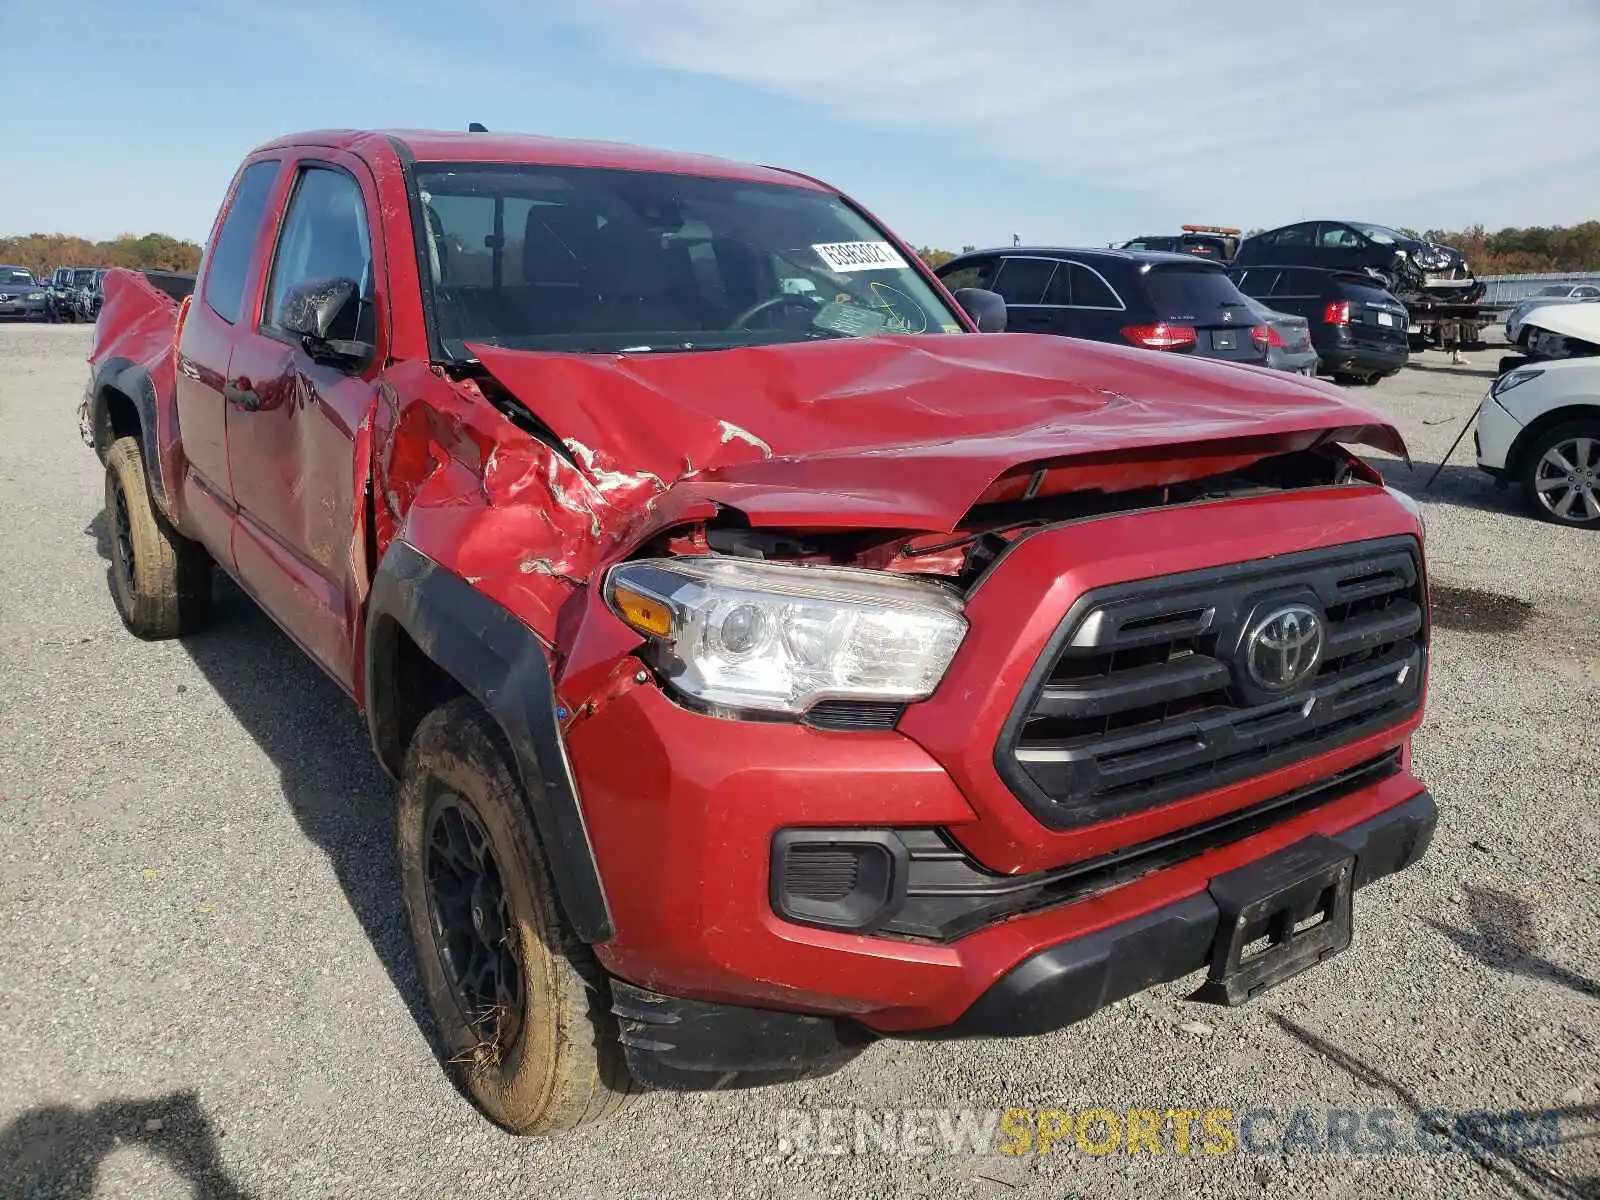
(1539, 428)
(1555, 293)
(1561, 331)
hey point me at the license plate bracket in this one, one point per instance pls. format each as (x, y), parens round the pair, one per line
(1224, 340)
(1279, 917)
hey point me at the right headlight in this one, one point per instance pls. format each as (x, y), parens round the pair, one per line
(751, 636)
(1513, 379)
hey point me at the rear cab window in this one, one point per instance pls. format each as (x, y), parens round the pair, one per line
(228, 264)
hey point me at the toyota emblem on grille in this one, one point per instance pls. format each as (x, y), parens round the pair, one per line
(1284, 648)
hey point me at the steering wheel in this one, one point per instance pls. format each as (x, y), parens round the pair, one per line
(787, 300)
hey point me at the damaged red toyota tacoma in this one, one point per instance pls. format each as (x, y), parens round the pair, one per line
(770, 659)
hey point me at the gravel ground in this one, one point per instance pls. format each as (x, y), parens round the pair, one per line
(205, 983)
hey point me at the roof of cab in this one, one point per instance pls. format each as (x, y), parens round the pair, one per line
(431, 145)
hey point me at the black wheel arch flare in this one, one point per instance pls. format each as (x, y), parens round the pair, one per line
(500, 663)
(131, 381)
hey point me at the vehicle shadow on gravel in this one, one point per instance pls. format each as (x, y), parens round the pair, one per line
(56, 1150)
(1494, 1140)
(1460, 484)
(1504, 937)
(313, 734)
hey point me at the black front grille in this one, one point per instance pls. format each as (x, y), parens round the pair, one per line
(1142, 699)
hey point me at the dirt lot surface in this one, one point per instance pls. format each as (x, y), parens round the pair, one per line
(206, 986)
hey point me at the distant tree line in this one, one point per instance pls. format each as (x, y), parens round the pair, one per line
(1535, 250)
(43, 252)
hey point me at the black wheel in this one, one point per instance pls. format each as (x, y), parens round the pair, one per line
(1561, 475)
(522, 1007)
(1354, 379)
(160, 580)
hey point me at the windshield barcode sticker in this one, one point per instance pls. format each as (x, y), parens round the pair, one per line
(845, 257)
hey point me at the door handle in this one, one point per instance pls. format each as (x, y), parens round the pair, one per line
(238, 392)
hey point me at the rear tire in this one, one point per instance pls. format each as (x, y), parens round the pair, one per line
(1561, 470)
(523, 1009)
(160, 580)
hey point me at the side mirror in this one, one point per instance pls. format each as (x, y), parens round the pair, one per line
(321, 309)
(987, 309)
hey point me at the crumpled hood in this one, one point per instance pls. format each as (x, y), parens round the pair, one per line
(906, 432)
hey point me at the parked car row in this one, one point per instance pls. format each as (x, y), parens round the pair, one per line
(1290, 318)
(1407, 266)
(71, 293)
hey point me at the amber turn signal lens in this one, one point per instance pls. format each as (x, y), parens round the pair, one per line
(643, 613)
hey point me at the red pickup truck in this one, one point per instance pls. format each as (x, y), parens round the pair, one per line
(770, 659)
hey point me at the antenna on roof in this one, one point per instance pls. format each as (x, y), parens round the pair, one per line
(477, 127)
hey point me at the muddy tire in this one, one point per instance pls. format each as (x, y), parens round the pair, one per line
(522, 1008)
(160, 580)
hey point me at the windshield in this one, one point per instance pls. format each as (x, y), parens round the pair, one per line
(590, 260)
(83, 278)
(1380, 234)
(16, 275)
(1560, 289)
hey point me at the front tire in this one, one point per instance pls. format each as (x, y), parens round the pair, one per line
(522, 1007)
(1561, 475)
(160, 580)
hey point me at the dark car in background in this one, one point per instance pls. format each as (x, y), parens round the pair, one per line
(61, 297)
(21, 295)
(1358, 328)
(1289, 346)
(91, 296)
(1172, 302)
(1405, 265)
(1216, 242)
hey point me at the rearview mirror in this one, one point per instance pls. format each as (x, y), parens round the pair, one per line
(987, 309)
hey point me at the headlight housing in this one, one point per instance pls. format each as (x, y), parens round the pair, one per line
(35, 295)
(741, 636)
(1513, 379)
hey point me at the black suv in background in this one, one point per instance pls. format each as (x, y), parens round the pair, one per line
(62, 296)
(1358, 328)
(1219, 243)
(1404, 265)
(1172, 302)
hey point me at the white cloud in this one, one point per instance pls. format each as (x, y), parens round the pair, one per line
(1425, 113)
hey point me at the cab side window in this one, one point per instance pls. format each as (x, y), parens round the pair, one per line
(229, 261)
(324, 236)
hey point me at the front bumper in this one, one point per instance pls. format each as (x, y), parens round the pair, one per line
(684, 819)
(24, 310)
(686, 1044)
(1496, 433)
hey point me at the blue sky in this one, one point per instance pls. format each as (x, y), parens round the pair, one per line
(958, 122)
